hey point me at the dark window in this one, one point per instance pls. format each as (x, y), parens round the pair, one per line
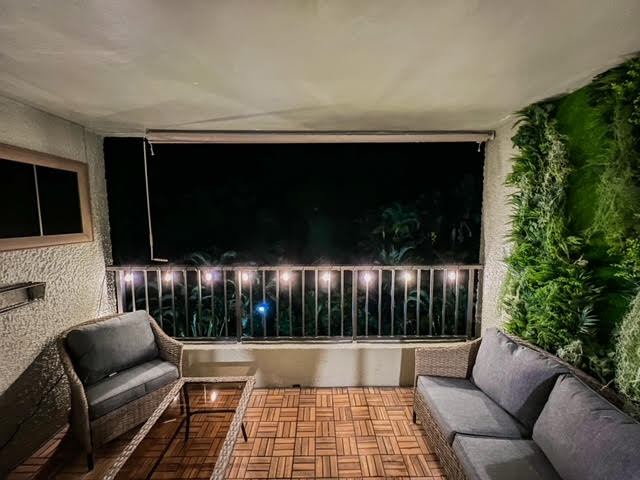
(59, 201)
(18, 201)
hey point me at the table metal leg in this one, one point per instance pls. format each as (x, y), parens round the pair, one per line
(188, 407)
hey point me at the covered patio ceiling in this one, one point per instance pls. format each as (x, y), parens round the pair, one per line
(121, 67)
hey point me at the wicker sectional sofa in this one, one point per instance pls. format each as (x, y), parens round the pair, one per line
(496, 408)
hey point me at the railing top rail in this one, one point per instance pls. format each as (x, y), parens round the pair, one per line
(115, 268)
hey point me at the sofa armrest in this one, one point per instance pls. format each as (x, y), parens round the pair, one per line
(447, 361)
(79, 415)
(170, 349)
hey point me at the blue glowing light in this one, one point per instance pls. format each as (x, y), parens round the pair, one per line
(262, 309)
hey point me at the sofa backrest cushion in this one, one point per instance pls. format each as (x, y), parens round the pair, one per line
(106, 347)
(516, 377)
(584, 436)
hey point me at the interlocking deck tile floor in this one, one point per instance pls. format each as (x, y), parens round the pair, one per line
(359, 433)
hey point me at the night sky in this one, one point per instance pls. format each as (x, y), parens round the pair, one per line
(299, 204)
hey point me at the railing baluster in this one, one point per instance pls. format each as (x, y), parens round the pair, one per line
(250, 281)
(173, 303)
(199, 273)
(366, 308)
(379, 302)
(418, 299)
(213, 303)
(120, 292)
(329, 305)
(159, 283)
(444, 299)
(404, 307)
(186, 303)
(342, 302)
(393, 302)
(316, 300)
(302, 299)
(133, 291)
(146, 291)
(455, 310)
(239, 306)
(226, 307)
(431, 279)
(277, 303)
(354, 304)
(470, 282)
(290, 305)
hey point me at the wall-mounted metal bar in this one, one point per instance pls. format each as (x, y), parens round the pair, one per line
(418, 299)
(20, 294)
(393, 299)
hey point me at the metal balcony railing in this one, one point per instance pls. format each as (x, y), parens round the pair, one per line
(334, 303)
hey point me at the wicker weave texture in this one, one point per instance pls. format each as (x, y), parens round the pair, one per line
(454, 361)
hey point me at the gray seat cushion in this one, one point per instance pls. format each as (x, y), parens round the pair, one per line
(484, 458)
(101, 349)
(458, 406)
(128, 385)
(584, 436)
(518, 378)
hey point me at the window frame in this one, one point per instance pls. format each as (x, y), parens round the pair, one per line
(32, 157)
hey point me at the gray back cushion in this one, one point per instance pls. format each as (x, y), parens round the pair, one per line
(584, 436)
(517, 378)
(107, 347)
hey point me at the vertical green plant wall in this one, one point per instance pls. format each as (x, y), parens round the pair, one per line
(575, 266)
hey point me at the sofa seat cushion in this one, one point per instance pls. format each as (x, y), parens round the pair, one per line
(516, 377)
(109, 346)
(584, 436)
(484, 458)
(458, 406)
(113, 392)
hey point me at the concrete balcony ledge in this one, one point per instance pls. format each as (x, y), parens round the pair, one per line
(307, 364)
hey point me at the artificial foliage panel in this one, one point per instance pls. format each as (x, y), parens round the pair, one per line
(575, 266)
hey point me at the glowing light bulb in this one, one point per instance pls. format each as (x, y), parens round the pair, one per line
(214, 396)
(261, 309)
(168, 276)
(245, 276)
(208, 276)
(452, 276)
(326, 276)
(286, 276)
(406, 276)
(366, 277)
(128, 277)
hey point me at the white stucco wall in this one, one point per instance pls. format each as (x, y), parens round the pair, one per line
(496, 213)
(76, 289)
(307, 364)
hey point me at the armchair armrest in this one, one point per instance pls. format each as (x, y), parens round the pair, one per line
(79, 415)
(170, 349)
(447, 361)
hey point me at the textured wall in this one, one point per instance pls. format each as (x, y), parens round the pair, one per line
(495, 223)
(33, 391)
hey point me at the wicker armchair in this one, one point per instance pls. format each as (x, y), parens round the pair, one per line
(443, 361)
(93, 433)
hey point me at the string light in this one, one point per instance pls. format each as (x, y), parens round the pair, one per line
(366, 277)
(326, 276)
(208, 276)
(168, 276)
(128, 277)
(452, 276)
(245, 276)
(214, 396)
(406, 276)
(262, 308)
(286, 276)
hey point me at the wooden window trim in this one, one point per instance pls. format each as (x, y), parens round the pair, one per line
(32, 157)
